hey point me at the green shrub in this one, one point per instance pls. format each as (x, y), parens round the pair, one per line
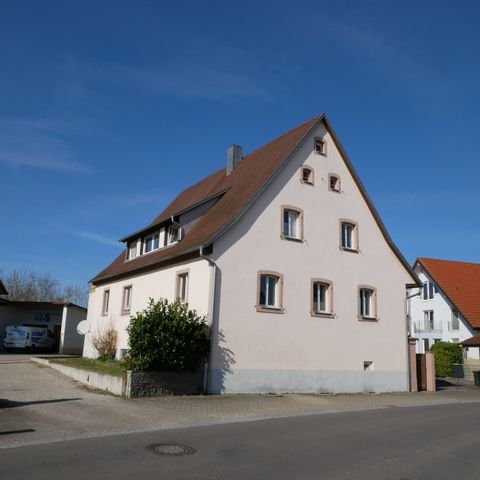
(167, 336)
(446, 354)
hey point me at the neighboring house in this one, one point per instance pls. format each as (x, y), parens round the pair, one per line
(60, 317)
(285, 254)
(448, 305)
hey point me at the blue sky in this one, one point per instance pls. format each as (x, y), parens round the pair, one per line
(109, 109)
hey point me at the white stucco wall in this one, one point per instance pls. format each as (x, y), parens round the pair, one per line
(71, 342)
(156, 284)
(442, 318)
(293, 351)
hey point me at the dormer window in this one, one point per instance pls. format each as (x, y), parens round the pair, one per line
(151, 243)
(132, 249)
(320, 147)
(173, 234)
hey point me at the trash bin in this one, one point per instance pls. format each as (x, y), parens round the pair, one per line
(457, 370)
(476, 376)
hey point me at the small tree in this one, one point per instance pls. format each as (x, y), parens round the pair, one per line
(105, 343)
(446, 354)
(167, 336)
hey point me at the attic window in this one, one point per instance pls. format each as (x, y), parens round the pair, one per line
(307, 175)
(334, 183)
(132, 249)
(173, 234)
(320, 147)
(151, 243)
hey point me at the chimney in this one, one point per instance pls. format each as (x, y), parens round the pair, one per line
(234, 155)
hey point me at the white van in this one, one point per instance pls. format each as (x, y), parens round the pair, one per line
(28, 338)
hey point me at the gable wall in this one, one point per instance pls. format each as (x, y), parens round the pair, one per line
(294, 351)
(442, 317)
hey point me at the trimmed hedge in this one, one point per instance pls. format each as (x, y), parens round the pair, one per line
(446, 354)
(167, 336)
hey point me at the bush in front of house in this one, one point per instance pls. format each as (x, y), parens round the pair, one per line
(167, 336)
(446, 354)
(105, 343)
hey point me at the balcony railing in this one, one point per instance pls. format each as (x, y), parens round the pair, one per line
(425, 327)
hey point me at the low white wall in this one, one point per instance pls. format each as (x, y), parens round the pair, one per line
(109, 383)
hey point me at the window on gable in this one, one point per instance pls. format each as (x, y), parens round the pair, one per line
(429, 290)
(367, 303)
(334, 183)
(321, 297)
(292, 223)
(320, 147)
(173, 234)
(106, 300)
(349, 236)
(307, 175)
(269, 291)
(182, 286)
(455, 322)
(127, 299)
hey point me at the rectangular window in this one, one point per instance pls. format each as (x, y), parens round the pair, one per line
(132, 249)
(172, 234)
(182, 286)
(269, 294)
(428, 320)
(292, 224)
(334, 183)
(455, 322)
(106, 299)
(429, 290)
(127, 299)
(349, 236)
(367, 303)
(321, 297)
(320, 147)
(150, 243)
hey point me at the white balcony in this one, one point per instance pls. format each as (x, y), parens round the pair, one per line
(422, 326)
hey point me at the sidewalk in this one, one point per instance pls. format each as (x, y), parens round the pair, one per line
(40, 405)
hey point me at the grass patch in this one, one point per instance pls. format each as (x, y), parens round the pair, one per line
(108, 367)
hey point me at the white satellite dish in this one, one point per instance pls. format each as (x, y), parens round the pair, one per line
(83, 327)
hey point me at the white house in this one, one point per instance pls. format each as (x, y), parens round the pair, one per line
(448, 305)
(285, 254)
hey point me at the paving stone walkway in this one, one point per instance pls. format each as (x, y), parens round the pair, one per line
(40, 405)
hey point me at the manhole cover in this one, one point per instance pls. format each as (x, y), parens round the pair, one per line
(171, 449)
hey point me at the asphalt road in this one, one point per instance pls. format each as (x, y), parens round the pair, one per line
(412, 443)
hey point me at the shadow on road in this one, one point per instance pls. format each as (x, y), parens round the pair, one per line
(13, 432)
(4, 403)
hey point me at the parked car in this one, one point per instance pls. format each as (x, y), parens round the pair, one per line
(28, 338)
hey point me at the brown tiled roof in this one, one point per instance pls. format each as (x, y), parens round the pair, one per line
(472, 341)
(460, 282)
(237, 191)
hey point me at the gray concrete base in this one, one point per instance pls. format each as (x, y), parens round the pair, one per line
(306, 381)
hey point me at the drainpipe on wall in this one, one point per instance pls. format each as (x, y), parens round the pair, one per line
(211, 306)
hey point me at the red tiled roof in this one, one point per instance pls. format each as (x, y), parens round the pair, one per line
(236, 192)
(460, 282)
(472, 341)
